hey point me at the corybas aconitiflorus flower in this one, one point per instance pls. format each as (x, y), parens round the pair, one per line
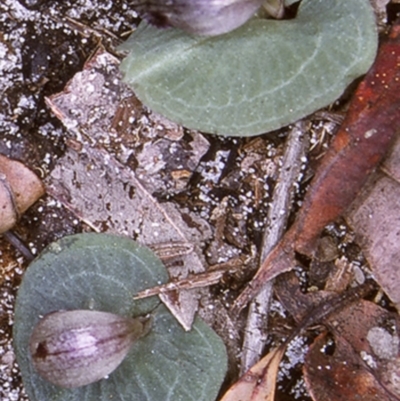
(74, 348)
(198, 17)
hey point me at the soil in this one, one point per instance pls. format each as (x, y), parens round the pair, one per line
(43, 44)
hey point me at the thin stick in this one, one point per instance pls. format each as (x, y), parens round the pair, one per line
(255, 332)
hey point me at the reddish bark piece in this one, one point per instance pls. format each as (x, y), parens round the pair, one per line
(391, 165)
(363, 364)
(340, 376)
(358, 147)
(355, 322)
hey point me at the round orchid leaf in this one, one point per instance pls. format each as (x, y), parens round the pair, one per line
(103, 272)
(258, 78)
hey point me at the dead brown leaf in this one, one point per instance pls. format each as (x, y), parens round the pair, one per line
(258, 383)
(375, 218)
(92, 182)
(340, 376)
(363, 336)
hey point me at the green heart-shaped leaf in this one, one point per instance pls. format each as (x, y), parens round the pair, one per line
(103, 272)
(257, 78)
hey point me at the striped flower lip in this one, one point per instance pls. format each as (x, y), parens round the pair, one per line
(198, 17)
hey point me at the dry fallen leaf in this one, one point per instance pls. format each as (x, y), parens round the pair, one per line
(339, 376)
(310, 309)
(258, 383)
(345, 349)
(364, 357)
(107, 194)
(375, 217)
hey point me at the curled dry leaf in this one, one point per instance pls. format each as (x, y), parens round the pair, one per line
(19, 189)
(259, 382)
